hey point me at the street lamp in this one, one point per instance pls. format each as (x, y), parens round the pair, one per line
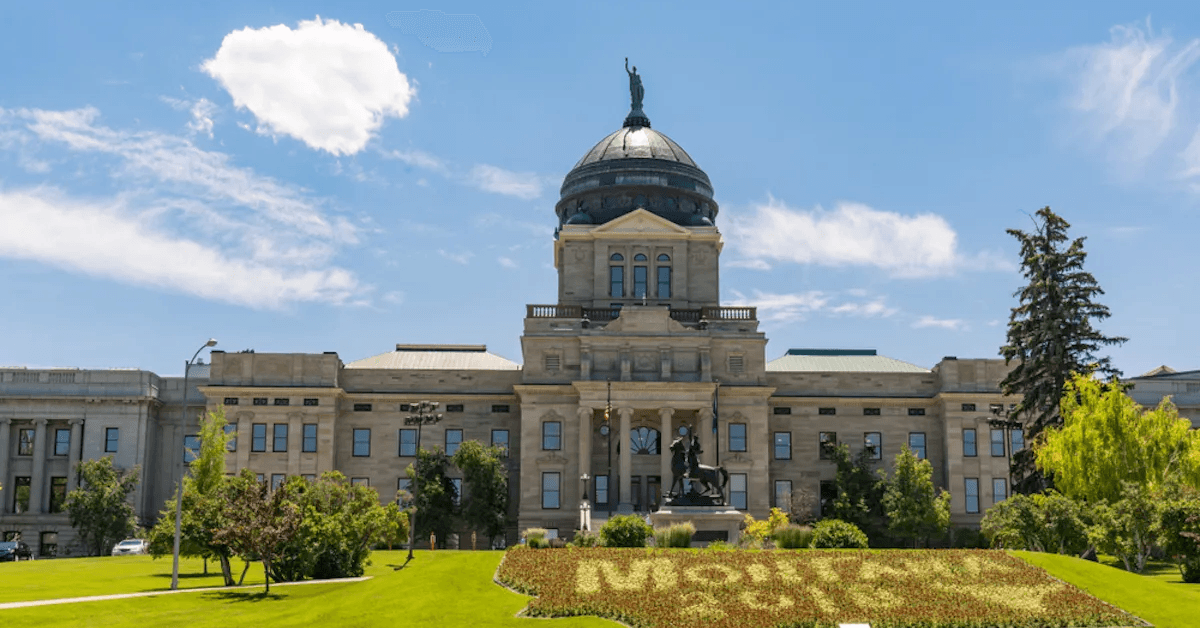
(187, 366)
(424, 413)
(585, 508)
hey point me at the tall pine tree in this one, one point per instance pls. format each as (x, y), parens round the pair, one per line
(1050, 334)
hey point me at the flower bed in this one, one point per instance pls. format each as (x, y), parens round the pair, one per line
(927, 589)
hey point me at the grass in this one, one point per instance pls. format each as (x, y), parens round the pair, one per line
(1159, 597)
(436, 589)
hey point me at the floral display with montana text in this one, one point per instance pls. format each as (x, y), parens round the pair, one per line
(650, 588)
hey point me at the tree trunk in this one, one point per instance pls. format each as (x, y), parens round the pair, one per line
(206, 565)
(245, 568)
(226, 572)
(267, 574)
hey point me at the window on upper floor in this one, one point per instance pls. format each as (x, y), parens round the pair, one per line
(550, 489)
(280, 437)
(191, 448)
(664, 280)
(1016, 440)
(916, 412)
(454, 438)
(277, 480)
(408, 442)
(998, 443)
(112, 439)
(362, 442)
(230, 437)
(258, 437)
(308, 443)
(616, 281)
(826, 411)
(971, 488)
(916, 442)
(644, 441)
(783, 495)
(639, 281)
(21, 489)
(25, 442)
(58, 493)
(458, 491)
(970, 450)
(826, 443)
(781, 410)
(737, 437)
(968, 407)
(783, 445)
(551, 435)
(999, 490)
(737, 491)
(870, 411)
(500, 439)
(62, 442)
(873, 442)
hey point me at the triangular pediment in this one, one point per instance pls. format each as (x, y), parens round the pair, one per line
(640, 222)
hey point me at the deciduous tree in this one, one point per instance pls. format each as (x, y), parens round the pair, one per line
(261, 521)
(434, 498)
(99, 509)
(1050, 333)
(915, 510)
(485, 476)
(859, 490)
(339, 524)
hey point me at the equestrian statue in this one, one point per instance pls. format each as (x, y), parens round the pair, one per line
(707, 484)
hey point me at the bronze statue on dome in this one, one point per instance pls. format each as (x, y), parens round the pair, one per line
(636, 91)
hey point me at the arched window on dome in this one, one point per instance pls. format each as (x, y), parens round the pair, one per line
(664, 276)
(643, 441)
(616, 276)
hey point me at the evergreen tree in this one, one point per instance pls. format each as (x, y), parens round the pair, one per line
(485, 505)
(859, 490)
(1050, 333)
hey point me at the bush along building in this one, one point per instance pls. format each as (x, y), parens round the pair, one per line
(637, 350)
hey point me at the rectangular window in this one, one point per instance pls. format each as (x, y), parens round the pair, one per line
(62, 442)
(453, 440)
(664, 282)
(998, 443)
(362, 407)
(360, 481)
(737, 437)
(458, 492)
(873, 442)
(826, 411)
(309, 440)
(639, 282)
(277, 480)
(996, 408)
(408, 443)
(916, 412)
(616, 281)
(230, 437)
(781, 410)
(870, 411)
(500, 439)
(48, 546)
(999, 490)
(970, 449)
(282, 401)
(312, 401)
(112, 439)
(972, 491)
(828, 495)
(551, 435)
(968, 407)
(783, 445)
(500, 407)
(260, 478)
(21, 485)
(58, 493)
(279, 440)
(309, 477)
(362, 442)
(601, 492)
(260, 401)
(25, 442)
(783, 495)
(826, 443)
(454, 407)
(916, 442)
(550, 481)
(1017, 440)
(191, 448)
(737, 490)
(404, 492)
(258, 437)
(231, 401)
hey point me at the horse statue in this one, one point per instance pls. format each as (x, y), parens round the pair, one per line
(708, 483)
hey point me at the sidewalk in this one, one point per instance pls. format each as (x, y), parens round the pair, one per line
(119, 596)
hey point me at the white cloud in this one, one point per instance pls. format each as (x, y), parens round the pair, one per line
(395, 297)
(459, 258)
(791, 307)
(417, 159)
(115, 241)
(506, 262)
(328, 84)
(851, 235)
(953, 324)
(202, 111)
(525, 185)
(260, 236)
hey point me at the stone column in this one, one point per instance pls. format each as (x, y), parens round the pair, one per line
(295, 442)
(244, 440)
(585, 440)
(39, 466)
(5, 429)
(625, 463)
(73, 454)
(704, 418)
(664, 452)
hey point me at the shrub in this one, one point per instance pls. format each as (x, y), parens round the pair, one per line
(721, 546)
(793, 537)
(756, 533)
(625, 531)
(535, 538)
(835, 534)
(678, 535)
(967, 538)
(585, 538)
(1181, 534)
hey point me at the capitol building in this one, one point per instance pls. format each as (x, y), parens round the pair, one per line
(638, 333)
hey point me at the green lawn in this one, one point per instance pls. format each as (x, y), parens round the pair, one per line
(79, 577)
(1160, 597)
(437, 589)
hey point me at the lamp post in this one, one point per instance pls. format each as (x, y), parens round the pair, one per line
(424, 413)
(585, 509)
(187, 366)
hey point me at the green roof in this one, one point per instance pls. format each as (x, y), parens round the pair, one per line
(840, 361)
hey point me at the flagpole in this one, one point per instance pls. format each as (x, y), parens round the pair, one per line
(715, 429)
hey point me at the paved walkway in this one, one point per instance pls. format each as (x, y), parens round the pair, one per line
(120, 596)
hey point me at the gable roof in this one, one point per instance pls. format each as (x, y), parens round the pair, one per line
(641, 221)
(840, 360)
(437, 357)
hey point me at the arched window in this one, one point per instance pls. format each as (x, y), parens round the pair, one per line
(664, 276)
(640, 257)
(664, 258)
(644, 441)
(617, 257)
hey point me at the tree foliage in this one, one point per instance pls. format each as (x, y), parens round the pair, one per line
(625, 531)
(1041, 522)
(1129, 527)
(485, 479)
(915, 511)
(99, 509)
(1181, 532)
(1107, 440)
(261, 521)
(837, 534)
(859, 490)
(434, 496)
(1050, 332)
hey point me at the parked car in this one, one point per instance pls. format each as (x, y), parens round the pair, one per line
(14, 551)
(130, 546)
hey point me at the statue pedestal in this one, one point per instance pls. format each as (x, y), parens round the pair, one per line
(713, 523)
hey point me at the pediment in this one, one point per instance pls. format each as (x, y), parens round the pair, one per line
(640, 222)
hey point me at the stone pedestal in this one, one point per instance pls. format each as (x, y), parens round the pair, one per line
(713, 523)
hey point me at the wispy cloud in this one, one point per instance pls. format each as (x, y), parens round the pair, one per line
(506, 262)
(327, 84)
(202, 110)
(270, 242)
(851, 234)
(797, 306)
(953, 324)
(525, 185)
(417, 159)
(458, 258)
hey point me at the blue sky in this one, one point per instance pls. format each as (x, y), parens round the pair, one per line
(308, 177)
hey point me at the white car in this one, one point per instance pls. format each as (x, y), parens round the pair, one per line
(130, 546)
